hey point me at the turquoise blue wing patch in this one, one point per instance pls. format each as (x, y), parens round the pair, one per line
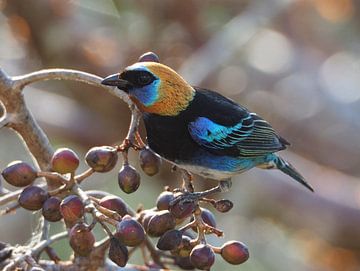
(250, 137)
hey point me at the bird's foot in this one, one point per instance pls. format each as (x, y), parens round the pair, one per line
(129, 143)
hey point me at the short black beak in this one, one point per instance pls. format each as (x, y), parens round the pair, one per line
(115, 80)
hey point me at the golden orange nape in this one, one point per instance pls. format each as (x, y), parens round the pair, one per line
(167, 95)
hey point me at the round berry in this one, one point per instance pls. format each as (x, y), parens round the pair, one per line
(181, 210)
(32, 198)
(164, 200)
(208, 217)
(130, 232)
(114, 203)
(128, 179)
(81, 239)
(51, 209)
(223, 205)
(160, 222)
(64, 161)
(19, 174)
(184, 248)
(184, 263)
(72, 209)
(170, 240)
(202, 257)
(150, 162)
(101, 159)
(234, 252)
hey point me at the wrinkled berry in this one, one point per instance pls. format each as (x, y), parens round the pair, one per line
(181, 210)
(19, 174)
(118, 252)
(223, 205)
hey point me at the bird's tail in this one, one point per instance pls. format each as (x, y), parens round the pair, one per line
(288, 169)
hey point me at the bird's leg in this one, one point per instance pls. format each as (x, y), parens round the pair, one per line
(194, 197)
(187, 181)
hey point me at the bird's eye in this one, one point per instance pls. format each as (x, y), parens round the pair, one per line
(144, 79)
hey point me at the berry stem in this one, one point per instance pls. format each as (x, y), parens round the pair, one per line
(9, 209)
(53, 176)
(79, 178)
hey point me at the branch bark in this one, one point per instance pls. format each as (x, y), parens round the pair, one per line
(18, 118)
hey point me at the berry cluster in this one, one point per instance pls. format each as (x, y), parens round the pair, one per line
(181, 226)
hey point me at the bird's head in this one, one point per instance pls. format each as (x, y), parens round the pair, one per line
(154, 88)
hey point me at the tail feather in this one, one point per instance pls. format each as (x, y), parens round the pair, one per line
(288, 169)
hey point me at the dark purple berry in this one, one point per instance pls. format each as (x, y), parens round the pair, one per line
(118, 252)
(81, 239)
(19, 174)
(130, 232)
(51, 209)
(32, 198)
(164, 199)
(170, 240)
(114, 203)
(181, 210)
(208, 217)
(202, 257)
(160, 222)
(72, 209)
(184, 263)
(129, 179)
(150, 162)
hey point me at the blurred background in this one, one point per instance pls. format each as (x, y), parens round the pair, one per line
(294, 62)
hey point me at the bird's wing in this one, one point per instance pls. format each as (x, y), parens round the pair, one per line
(237, 133)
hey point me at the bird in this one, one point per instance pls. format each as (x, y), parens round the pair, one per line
(200, 130)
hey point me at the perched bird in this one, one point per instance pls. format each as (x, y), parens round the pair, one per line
(200, 130)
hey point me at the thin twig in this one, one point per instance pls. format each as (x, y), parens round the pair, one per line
(79, 178)
(9, 197)
(44, 243)
(34, 251)
(53, 176)
(66, 74)
(9, 209)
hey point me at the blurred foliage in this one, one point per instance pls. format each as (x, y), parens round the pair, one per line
(295, 62)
